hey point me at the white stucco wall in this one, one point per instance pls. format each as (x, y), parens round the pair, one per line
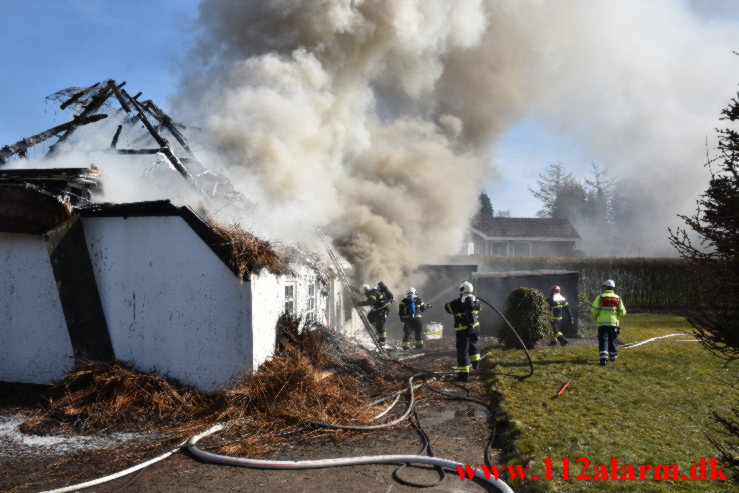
(34, 341)
(267, 305)
(170, 303)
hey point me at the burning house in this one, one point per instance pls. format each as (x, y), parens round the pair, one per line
(161, 286)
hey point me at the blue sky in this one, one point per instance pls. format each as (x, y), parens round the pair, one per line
(49, 45)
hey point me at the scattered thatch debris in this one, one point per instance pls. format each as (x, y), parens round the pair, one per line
(305, 382)
(309, 379)
(248, 254)
(101, 397)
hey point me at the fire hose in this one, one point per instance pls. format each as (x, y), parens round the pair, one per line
(520, 341)
(324, 463)
(315, 464)
(439, 463)
(639, 343)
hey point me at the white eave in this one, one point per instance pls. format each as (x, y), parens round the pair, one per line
(520, 238)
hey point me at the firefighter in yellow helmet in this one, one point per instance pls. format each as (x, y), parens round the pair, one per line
(607, 310)
(409, 310)
(466, 309)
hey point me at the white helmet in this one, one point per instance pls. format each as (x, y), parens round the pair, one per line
(365, 288)
(411, 291)
(465, 287)
(609, 284)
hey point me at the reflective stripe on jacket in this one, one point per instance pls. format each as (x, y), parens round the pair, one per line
(377, 299)
(465, 313)
(557, 302)
(607, 308)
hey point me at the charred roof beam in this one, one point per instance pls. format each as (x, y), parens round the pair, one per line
(76, 96)
(22, 145)
(97, 101)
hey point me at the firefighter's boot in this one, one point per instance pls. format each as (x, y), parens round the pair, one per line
(561, 339)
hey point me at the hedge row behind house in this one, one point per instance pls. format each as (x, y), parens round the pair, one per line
(643, 283)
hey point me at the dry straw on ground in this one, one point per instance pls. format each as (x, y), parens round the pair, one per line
(310, 379)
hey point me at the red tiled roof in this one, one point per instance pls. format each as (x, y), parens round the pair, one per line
(525, 227)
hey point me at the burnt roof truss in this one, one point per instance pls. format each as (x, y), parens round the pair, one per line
(88, 102)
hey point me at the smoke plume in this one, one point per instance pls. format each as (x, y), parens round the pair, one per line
(372, 118)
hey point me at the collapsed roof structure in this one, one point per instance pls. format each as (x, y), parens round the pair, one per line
(163, 287)
(180, 155)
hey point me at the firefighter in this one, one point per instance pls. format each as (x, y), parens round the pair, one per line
(466, 309)
(378, 299)
(607, 310)
(409, 310)
(559, 306)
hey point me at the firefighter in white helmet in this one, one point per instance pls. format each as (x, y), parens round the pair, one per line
(378, 299)
(607, 310)
(465, 310)
(559, 307)
(409, 310)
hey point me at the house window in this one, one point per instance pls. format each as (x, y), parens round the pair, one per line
(522, 248)
(498, 248)
(310, 312)
(290, 298)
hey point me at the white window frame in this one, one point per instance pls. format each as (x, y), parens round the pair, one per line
(310, 307)
(290, 289)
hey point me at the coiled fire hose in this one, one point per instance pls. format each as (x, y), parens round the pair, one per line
(324, 463)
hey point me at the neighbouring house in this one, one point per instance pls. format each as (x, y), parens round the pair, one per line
(521, 236)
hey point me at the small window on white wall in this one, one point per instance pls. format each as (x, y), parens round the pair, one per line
(290, 298)
(310, 311)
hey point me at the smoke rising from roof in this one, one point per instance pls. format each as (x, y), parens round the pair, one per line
(373, 118)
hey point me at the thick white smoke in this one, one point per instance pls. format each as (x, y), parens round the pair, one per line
(372, 117)
(327, 114)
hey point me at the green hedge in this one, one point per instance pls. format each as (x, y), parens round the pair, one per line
(643, 283)
(528, 311)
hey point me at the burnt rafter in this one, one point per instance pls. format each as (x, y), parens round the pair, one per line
(114, 142)
(22, 145)
(163, 143)
(138, 151)
(76, 96)
(95, 103)
(88, 102)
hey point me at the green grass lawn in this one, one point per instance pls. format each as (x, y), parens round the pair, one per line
(651, 407)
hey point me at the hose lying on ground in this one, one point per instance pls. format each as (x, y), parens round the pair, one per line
(119, 474)
(523, 346)
(323, 463)
(639, 343)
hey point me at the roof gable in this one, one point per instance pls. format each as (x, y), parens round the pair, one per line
(524, 227)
